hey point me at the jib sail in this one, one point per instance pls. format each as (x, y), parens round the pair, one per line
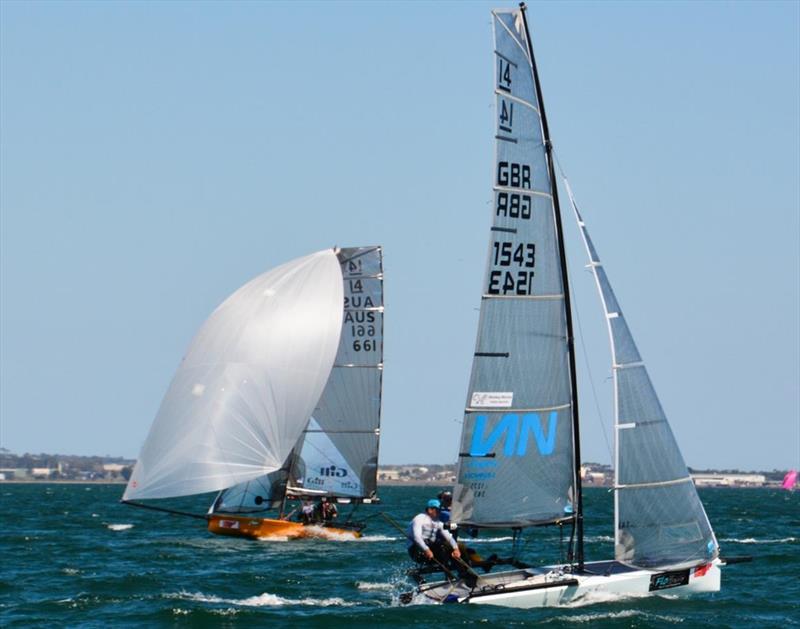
(659, 519)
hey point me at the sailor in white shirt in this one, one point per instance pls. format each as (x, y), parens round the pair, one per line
(428, 539)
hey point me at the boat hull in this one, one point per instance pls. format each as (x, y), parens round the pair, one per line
(552, 587)
(266, 528)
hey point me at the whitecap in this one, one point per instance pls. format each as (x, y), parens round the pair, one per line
(485, 540)
(599, 538)
(70, 571)
(120, 527)
(262, 600)
(600, 617)
(376, 538)
(753, 540)
(367, 585)
(594, 597)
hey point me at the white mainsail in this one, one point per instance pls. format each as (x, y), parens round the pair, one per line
(248, 384)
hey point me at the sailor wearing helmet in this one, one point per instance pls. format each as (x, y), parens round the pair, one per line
(428, 540)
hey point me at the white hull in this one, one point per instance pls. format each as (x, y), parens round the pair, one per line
(551, 586)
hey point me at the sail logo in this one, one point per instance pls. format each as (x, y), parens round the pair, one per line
(514, 432)
(332, 470)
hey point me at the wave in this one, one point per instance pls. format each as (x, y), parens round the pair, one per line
(484, 540)
(120, 527)
(321, 532)
(595, 597)
(366, 585)
(508, 538)
(753, 540)
(262, 600)
(599, 617)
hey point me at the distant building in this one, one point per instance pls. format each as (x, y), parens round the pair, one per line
(389, 475)
(42, 472)
(728, 480)
(113, 467)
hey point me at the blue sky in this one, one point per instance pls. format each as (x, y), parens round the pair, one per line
(155, 156)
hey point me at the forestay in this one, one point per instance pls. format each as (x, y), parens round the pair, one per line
(339, 454)
(516, 465)
(659, 519)
(250, 379)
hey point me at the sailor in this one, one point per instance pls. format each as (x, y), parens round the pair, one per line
(307, 512)
(446, 499)
(328, 510)
(428, 540)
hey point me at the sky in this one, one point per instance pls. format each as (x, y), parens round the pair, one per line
(156, 156)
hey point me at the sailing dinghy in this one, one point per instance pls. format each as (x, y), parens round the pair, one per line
(519, 461)
(277, 400)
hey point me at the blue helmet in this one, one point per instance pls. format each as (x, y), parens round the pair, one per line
(434, 504)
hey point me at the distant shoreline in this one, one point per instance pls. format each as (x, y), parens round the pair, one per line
(417, 483)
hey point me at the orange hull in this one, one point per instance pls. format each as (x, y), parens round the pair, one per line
(264, 528)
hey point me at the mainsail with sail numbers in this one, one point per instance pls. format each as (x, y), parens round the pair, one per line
(517, 456)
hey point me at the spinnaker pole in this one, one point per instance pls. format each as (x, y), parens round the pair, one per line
(579, 558)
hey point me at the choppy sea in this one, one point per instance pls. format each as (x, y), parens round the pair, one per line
(72, 555)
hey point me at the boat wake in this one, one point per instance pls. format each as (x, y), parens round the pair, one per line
(600, 617)
(753, 540)
(120, 527)
(484, 540)
(372, 587)
(262, 600)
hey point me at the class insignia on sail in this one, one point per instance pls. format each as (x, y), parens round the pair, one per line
(278, 399)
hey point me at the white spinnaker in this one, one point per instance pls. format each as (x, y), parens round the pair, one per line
(248, 384)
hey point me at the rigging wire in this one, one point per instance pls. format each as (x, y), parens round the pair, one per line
(585, 354)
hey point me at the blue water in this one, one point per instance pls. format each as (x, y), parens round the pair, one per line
(71, 555)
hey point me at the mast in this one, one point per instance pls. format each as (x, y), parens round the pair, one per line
(563, 260)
